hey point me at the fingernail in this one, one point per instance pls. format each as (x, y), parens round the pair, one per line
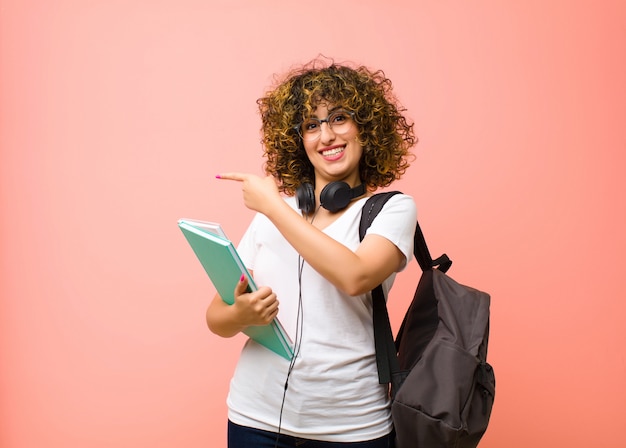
(243, 277)
(217, 176)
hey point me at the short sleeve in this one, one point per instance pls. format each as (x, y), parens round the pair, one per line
(396, 222)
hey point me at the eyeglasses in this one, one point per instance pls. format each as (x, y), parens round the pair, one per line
(339, 121)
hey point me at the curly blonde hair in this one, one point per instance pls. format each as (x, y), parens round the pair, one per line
(383, 131)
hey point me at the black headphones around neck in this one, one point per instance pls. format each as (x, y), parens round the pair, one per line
(334, 197)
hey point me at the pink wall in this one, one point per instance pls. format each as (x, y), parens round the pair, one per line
(116, 115)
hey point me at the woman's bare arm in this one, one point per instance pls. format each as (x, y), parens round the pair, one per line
(352, 272)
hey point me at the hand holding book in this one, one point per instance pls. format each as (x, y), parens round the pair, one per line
(225, 269)
(259, 307)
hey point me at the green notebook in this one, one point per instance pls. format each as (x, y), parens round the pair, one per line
(221, 262)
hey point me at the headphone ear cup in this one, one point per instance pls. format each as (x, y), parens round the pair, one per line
(305, 198)
(336, 196)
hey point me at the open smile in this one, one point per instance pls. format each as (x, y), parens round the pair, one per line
(332, 152)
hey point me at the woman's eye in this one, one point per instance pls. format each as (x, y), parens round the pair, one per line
(310, 126)
(339, 117)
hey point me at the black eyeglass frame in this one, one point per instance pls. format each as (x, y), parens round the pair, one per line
(298, 127)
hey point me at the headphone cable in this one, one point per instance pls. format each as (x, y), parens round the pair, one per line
(297, 339)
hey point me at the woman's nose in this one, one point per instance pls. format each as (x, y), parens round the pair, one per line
(327, 134)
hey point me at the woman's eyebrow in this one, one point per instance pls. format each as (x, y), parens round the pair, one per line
(330, 110)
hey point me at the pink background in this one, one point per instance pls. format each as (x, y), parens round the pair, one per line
(116, 115)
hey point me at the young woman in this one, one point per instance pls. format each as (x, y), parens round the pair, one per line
(332, 134)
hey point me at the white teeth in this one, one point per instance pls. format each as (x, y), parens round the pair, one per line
(332, 152)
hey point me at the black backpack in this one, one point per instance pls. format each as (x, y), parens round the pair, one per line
(441, 384)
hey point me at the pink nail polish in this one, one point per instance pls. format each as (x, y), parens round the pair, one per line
(217, 176)
(243, 277)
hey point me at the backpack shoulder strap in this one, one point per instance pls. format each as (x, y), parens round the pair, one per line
(371, 208)
(386, 354)
(422, 254)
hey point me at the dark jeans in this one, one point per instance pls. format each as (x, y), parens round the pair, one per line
(244, 437)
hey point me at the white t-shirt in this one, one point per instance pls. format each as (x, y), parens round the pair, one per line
(333, 391)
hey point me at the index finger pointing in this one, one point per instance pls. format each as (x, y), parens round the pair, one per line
(239, 177)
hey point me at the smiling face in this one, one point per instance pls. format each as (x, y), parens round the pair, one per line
(334, 156)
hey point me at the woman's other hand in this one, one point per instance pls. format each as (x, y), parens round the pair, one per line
(255, 308)
(250, 308)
